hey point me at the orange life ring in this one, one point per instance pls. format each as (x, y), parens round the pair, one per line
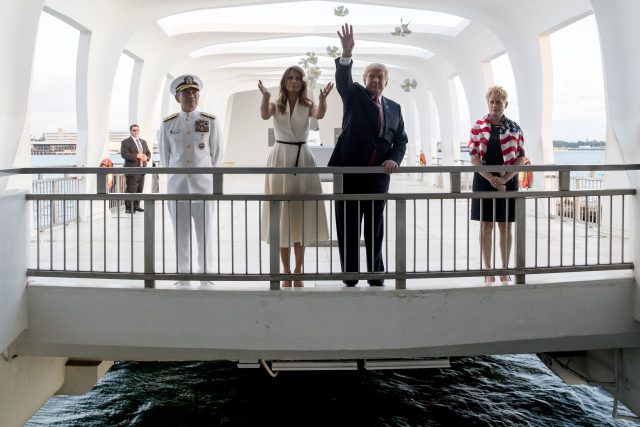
(525, 178)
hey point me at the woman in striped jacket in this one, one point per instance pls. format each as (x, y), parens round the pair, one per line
(495, 140)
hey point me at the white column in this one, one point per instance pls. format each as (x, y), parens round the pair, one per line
(619, 35)
(424, 120)
(452, 93)
(17, 39)
(134, 88)
(442, 99)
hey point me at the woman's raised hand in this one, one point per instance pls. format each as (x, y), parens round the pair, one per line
(327, 89)
(263, 89)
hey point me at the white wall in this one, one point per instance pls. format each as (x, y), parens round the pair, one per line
(247, 132)
(17, 40)
(247, 143)
(106, 322)
(619, 32)
(13, 253)
(27, 383)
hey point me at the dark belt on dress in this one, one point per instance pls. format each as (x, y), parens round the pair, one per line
(299, 144)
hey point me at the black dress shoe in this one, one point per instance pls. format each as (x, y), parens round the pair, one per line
(350, 283)
(375, 282)
(138, 209)
(127, 211)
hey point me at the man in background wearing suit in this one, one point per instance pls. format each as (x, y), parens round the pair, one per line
(135, 153)
(372, 135)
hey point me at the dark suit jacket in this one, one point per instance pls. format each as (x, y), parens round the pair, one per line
(129, 151)
(359, 143)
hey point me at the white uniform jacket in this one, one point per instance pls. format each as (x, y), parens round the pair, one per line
(190, 140)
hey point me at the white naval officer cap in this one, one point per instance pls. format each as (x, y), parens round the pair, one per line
(186, 81)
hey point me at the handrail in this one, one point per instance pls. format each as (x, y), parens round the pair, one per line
(319, 170)
(331, 196)
(579, 209)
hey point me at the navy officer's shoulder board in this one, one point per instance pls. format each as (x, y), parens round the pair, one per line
(169, 117)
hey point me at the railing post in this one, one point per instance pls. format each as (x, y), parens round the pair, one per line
(338, 183)
(218, 183)
(455, 181)
(218, 187)
(564, 180)
(149, 241)
(54, 204)
(401, 244)
(274, 242)
(521, 235)
(101, 184)
(338, 188)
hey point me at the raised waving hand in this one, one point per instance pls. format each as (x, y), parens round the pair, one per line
(346, 38)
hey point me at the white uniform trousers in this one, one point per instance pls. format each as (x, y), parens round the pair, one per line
(201, 212)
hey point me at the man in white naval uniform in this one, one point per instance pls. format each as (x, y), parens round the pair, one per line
(191, 139)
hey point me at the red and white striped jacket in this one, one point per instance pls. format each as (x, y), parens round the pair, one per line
(511, 139)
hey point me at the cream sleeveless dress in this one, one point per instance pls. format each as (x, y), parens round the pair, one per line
(300, 221)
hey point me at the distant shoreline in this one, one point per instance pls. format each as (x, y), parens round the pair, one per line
(599, 146)
(579, 149)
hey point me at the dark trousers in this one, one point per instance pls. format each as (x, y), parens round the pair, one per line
(135, 184)
(349, 216)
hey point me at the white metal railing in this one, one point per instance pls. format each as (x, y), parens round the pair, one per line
(585, 209)
(53, 212)
(427, 234)
(592, 182)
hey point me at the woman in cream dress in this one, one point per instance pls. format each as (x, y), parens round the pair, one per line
(301, 223)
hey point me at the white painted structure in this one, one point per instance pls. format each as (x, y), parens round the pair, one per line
(109, 28)
(490, 28)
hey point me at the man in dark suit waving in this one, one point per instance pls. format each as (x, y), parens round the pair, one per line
(372, 135)
(135, 152)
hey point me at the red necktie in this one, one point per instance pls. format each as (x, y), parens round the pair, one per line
(379, 106)
(377, 101)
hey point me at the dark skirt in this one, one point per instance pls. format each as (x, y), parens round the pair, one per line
(485, 207)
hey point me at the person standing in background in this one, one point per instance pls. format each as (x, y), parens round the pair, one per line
(136, 153)
(191, 139)
(107, 163)
(422, 159)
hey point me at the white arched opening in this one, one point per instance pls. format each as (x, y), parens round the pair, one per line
(119, 117)
(578, 86)
(464, 119)
(503, 76)
(52, 115)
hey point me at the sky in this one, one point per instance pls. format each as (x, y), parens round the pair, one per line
(53, 83)
(578, 107)
(579, 104)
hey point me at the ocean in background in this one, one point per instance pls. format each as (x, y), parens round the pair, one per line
(508, 390)
(46, 160)
(578, 157)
